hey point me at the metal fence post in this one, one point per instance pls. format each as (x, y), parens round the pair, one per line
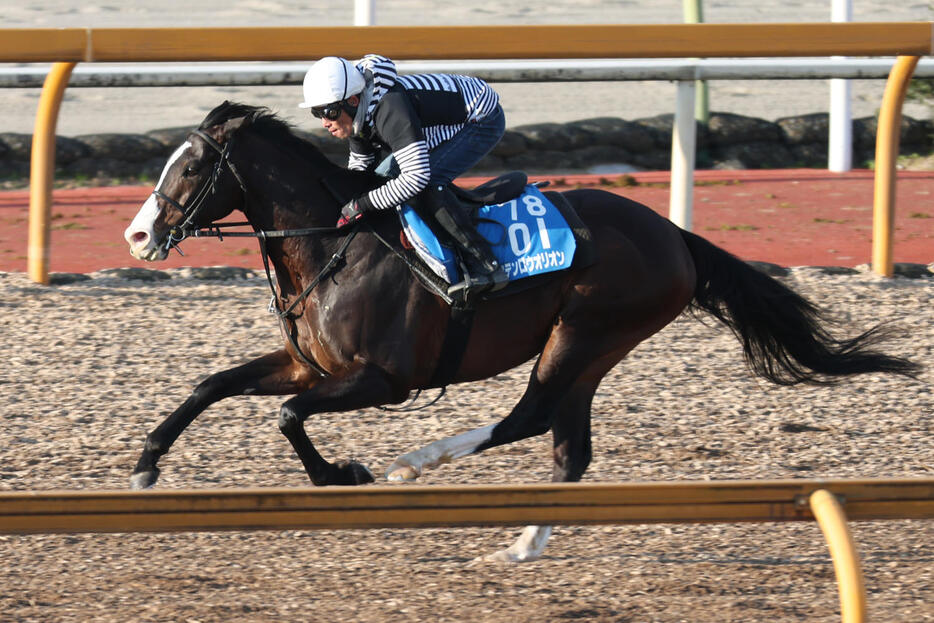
(42, 171)
(888, 135)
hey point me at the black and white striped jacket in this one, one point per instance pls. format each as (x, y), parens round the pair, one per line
(408, 116)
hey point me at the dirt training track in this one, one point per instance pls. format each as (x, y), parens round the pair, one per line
(787, 217)
(91, 366)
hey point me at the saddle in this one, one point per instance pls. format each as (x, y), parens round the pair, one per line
(550, 241)
(498, 190)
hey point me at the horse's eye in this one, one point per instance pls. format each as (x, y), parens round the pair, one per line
(191, 170)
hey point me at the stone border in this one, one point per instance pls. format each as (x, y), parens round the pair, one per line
(727, 141)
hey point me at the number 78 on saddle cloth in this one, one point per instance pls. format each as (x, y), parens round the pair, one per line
(528, 234)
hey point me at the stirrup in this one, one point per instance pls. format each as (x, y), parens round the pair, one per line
(488, 282)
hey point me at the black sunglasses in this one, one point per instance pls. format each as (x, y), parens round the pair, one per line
(330, 111)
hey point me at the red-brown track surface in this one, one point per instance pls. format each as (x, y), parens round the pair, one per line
(800, 217)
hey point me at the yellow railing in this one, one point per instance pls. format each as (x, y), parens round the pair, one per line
(64, 47)
(486, 505)
(458, 42)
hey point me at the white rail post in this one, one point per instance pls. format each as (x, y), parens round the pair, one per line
(840, 142)
(694, 14)
(683, 146)
(364, 13)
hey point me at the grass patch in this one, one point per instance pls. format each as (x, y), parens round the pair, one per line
(838, 221)
(620, 181)
(733, 228)
(919, 215)
(717, 182)
(70, 226)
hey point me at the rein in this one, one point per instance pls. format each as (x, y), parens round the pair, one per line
(185, 230)
(194, 205)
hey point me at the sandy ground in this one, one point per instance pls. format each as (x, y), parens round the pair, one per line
(91, 367)
(89, 111)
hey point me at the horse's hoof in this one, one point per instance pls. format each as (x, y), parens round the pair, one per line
(402, 473)
(504, 555)
(144, 480)
(352, 473)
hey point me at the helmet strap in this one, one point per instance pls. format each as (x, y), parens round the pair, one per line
(349, 109)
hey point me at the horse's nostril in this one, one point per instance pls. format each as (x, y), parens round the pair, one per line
(139, 237)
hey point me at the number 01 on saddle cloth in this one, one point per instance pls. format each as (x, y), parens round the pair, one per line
(528, 235)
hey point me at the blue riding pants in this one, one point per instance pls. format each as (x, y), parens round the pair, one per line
(459, 153)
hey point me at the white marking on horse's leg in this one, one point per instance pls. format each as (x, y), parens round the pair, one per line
(529, 546)
(410, 466)
(144, 480)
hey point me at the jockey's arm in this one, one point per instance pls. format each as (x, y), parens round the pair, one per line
(399, 128)
(413, 177)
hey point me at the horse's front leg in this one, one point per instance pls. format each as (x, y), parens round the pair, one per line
(273, 374)
(360, 387)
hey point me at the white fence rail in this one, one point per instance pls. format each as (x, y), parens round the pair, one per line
(579, 70)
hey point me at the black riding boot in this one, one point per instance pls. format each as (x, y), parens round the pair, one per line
(483, 271)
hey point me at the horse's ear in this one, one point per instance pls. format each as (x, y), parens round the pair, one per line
(224, 131)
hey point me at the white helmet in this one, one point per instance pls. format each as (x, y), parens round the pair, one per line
(332, 79)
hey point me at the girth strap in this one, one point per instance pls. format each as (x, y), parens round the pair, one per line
(453, 347)
(458, 331)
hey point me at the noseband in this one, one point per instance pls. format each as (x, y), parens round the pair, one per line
(196, 201)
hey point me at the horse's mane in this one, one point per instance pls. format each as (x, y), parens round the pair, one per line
(266, 123)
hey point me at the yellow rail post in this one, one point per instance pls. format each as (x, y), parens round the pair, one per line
(888, 135)
(42, 171)
(832, 520)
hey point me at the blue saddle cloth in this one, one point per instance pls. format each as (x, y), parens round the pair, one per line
(528, 235)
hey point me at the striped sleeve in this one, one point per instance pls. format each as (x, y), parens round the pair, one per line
(362, 155)
(360, 162)
(479, 97)
(413, 178)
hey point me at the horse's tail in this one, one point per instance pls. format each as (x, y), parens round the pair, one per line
(783, 334)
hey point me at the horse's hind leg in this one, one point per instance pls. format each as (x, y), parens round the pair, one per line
(521, 423)
(549, 393)
(572, 453)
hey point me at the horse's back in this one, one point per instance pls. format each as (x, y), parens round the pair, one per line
(640, 254)
(648, 235)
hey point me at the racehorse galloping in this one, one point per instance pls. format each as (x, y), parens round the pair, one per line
(364, 332)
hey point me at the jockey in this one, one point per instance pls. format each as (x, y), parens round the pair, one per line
(433, 127)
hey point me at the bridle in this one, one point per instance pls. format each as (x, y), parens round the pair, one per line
(186, 229)
(195, 202)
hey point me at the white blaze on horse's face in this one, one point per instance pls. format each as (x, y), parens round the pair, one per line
(141, 233)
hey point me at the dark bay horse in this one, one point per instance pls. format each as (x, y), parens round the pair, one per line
(365, 333)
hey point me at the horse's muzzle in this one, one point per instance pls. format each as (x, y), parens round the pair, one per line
(142, 246)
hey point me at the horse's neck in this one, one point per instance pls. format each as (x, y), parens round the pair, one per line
(292, 197)
(288, 197)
